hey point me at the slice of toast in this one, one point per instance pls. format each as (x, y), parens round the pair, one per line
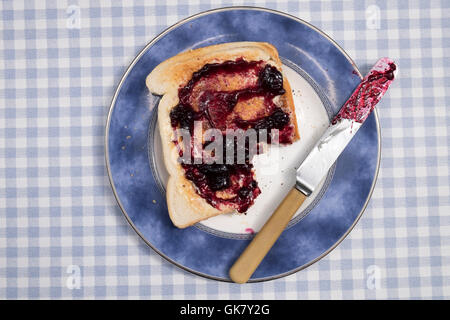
(186, 203)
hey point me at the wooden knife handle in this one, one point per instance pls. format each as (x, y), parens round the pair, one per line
(255, 252)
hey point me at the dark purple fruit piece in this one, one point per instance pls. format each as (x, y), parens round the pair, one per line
(271, 80)
(182, 115)
(278, 120)
(218, 182)
(244, 193)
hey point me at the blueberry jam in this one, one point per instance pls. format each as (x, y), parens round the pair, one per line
(368, 93)
(271, 80)
(236, 181)
(277, 120)
(231, 184)
(183, 117)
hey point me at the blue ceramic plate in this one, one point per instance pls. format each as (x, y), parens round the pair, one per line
(136, 178)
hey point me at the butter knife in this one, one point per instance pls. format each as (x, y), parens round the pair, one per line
(327, 149)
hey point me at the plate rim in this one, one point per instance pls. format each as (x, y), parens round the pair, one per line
(124, 77)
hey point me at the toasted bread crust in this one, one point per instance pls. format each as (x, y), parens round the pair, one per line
(288, 103)
(186, 207)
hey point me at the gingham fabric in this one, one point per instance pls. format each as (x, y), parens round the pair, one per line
(62, 235)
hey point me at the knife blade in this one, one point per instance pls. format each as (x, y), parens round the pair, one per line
(327, 149)
(345, 125)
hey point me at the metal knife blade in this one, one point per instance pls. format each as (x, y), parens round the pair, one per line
(345, 125)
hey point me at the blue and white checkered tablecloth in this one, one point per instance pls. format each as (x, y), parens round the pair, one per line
(63, 236)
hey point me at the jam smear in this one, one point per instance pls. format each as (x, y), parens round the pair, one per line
(240, 65)
(368, 93)
(230, 183)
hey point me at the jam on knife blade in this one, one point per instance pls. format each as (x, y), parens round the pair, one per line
(368, 93)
